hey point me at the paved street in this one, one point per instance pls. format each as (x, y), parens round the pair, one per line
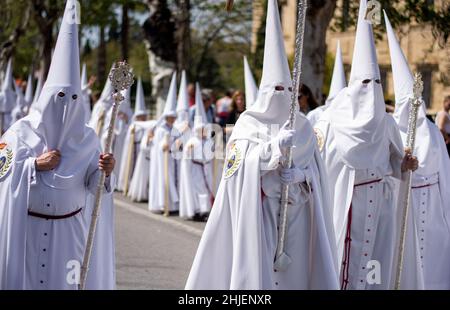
(152, 252)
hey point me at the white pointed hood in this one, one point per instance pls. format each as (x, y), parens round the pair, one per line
(338, 81)
(275, 73)
(358, 114)
(139, 108)
(275, 66)
(251, 90)
(7, 94)
(65, 67)
(200, 119)
(29, 90)
(183, 100)
(426, 149)
(20, 99)
(170, 109)
(57, 121)
(8, 80)
(364, 63)
(261, 121)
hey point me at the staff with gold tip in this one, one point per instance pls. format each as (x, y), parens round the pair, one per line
(121, 79)
(415, 102)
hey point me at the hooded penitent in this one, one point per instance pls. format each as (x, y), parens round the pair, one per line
(362, 151)
(56, 123)
(140, 181)
(241, 233)
(358, 114)
(122, 124)
(131, 145)
(196, 173)
(251, 90)
(429, 215)
(338, 82)
(163, 165)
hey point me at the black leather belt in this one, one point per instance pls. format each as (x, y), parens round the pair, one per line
(53, 217)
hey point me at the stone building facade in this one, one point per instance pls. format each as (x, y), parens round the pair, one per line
(421, 49)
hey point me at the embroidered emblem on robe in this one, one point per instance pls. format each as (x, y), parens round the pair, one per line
(320, 138)
(233, 161)
(6, 158)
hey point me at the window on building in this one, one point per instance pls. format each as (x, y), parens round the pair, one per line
(427, 75)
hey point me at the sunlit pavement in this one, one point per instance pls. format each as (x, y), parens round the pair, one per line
(152, 251)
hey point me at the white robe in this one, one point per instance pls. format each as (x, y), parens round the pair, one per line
(427, 246)
(157, 193)
(196, 191)
(139, 184)
(135, 146)
(238, 245)
(118, 142)
(373, 229)
(98, 114)
(35, 253)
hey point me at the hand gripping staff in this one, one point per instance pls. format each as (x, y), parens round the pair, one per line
(282, 260)
(415, 102)
(121, 79)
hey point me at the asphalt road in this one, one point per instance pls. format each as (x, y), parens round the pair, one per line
(152, 252)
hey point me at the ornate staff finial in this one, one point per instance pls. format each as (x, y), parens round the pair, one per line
(121, 76)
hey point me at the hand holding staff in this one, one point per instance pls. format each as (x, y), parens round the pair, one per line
(121, 79)
(282, 260)
(410, 143)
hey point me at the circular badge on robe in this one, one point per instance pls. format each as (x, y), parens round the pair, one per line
(233, 161)
(320, 138)
(6, 158)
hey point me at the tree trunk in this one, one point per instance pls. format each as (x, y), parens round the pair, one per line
(45, 16)
(124, 31)
(318, 19)
(183, 35)
(101, 57)
(8, 47)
